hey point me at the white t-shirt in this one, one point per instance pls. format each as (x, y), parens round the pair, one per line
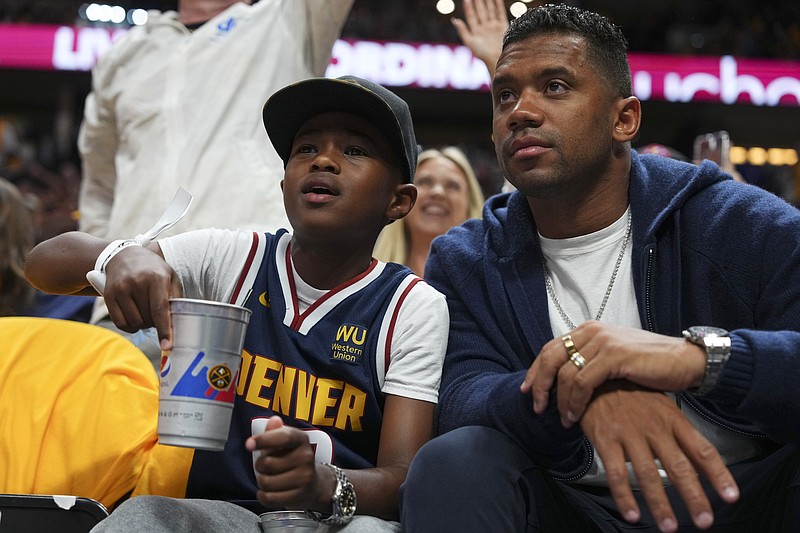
(580, 270)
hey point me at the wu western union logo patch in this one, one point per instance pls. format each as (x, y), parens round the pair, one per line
(349, 344)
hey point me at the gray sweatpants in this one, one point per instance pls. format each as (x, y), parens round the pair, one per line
(157, 514)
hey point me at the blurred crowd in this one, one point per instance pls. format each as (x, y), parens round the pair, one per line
(48, 181)
(714, 27)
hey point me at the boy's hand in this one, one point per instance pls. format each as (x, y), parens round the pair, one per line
(139, 284)
(287, 476)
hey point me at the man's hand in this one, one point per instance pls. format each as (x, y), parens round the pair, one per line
(483, 30)
(626, 423)
(611, 352)
(139, 284)
(287, 476)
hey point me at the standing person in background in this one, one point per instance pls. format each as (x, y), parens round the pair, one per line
(16, 240)
(176, 103)
(662, 297)
(448, 194)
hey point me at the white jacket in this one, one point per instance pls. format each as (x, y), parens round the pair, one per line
(171, 107)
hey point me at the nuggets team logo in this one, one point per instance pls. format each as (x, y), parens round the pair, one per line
(349, 344)
(205, 380)
(263, 299)
(219, 377)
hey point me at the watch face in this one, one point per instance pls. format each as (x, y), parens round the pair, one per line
(348, 501)
(706, 331)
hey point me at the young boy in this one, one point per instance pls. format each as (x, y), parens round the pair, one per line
(341, 350)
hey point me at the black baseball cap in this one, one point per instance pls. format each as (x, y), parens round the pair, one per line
(288, 109)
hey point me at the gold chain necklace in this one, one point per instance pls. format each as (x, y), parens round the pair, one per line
(551, 291)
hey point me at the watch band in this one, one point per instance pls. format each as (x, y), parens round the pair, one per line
(343, 500)
(718, 349)
(717, 344)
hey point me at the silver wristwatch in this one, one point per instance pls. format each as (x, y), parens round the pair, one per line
(343, 500)
(717, 344)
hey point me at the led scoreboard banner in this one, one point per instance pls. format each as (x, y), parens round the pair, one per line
(726, 79)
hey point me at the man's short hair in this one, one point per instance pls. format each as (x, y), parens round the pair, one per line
(607, 45)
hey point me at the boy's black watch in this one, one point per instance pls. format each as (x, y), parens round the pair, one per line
(717, 344)
(343, 499)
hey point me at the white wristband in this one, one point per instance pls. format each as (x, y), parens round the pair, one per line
(110, 251)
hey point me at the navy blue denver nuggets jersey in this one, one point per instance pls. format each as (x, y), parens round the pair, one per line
(319, 370)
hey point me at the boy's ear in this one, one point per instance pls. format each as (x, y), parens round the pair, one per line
(405, 196)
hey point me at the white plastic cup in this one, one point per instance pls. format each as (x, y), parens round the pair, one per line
(199, 374)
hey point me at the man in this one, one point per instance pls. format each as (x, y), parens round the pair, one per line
(637, 251)
(176, 103)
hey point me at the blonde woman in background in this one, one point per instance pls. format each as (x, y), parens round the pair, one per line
(16, 240)
(448, 195)
(19, 232)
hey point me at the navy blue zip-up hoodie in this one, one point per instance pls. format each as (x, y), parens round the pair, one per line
(706, 251)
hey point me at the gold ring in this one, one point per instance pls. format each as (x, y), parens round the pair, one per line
(578, 360)
(568, 344)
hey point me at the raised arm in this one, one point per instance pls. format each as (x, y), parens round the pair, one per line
(486, 22)
(325, 21)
